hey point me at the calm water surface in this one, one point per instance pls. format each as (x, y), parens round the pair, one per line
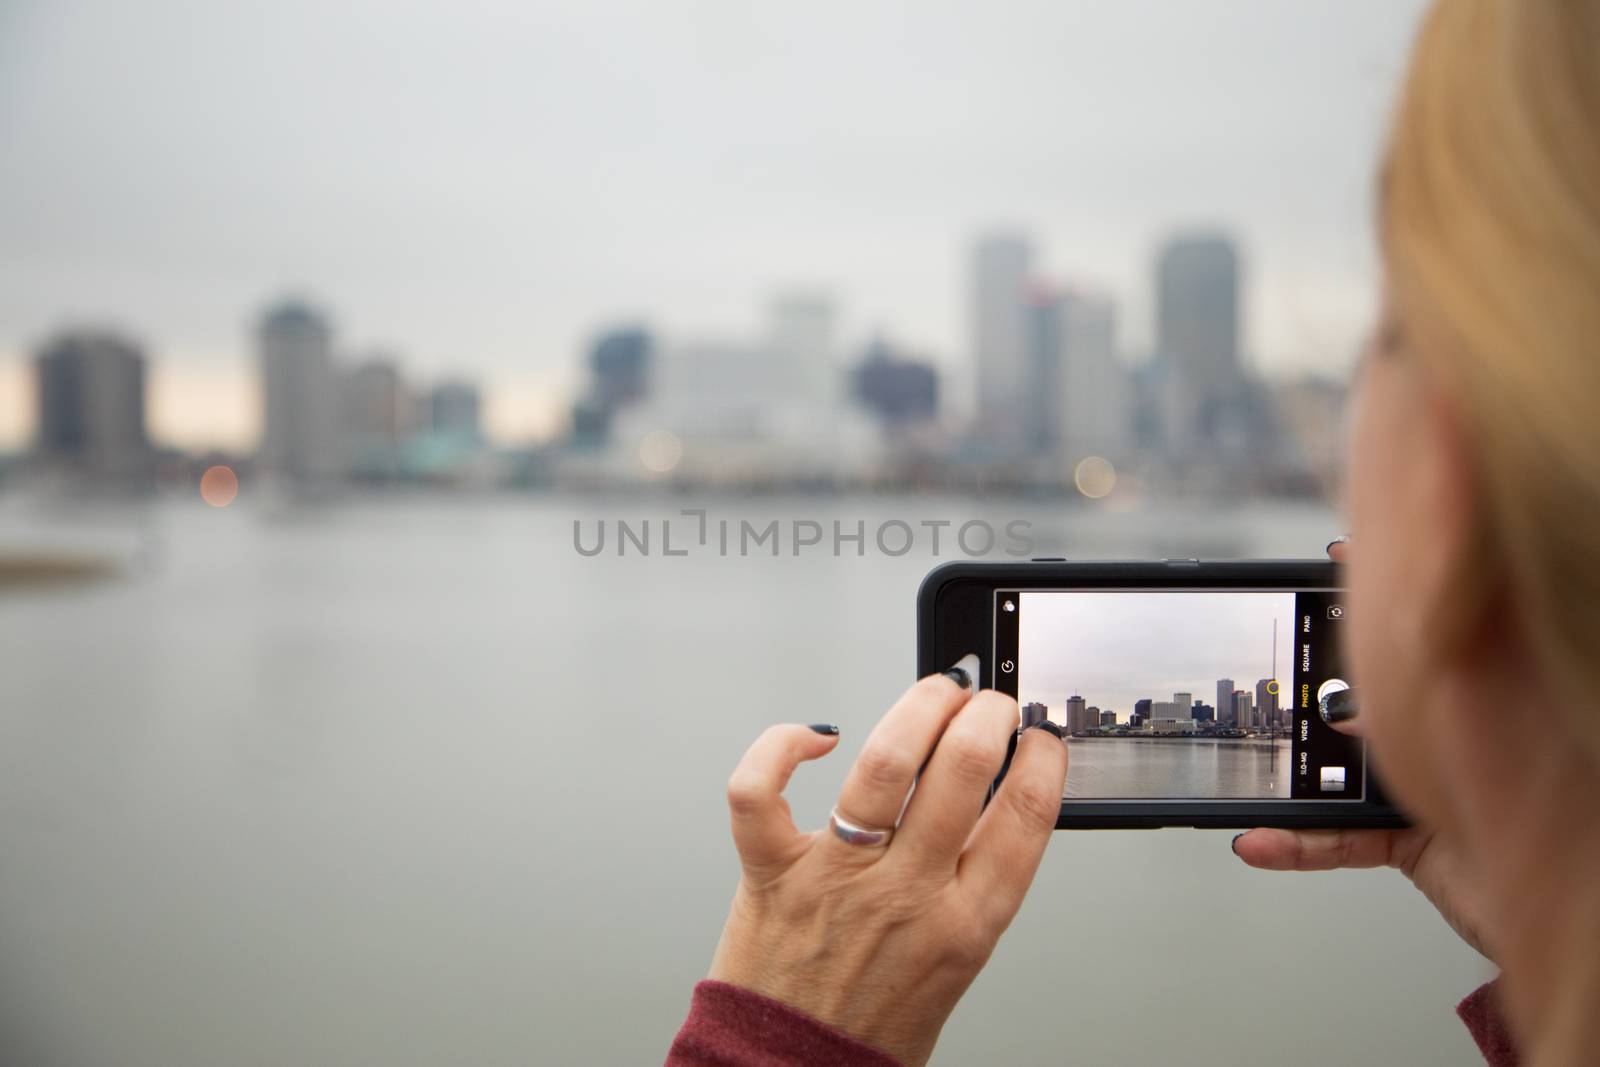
(1147, 768)
(411, 782)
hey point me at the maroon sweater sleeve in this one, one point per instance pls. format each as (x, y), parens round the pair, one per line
(1487, 1025)
(733, 1027)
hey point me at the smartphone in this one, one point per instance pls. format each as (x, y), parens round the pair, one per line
(1193, 693)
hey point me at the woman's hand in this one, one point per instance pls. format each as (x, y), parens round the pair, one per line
(882, 941)
(1432, 864)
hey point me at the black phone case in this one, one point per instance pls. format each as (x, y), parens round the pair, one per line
(955, 616)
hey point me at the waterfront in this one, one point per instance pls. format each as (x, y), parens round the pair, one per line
(412, 782)
(1148, 768)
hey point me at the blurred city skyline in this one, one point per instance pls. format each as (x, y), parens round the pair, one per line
(484, 189)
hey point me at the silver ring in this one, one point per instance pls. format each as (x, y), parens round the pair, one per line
(851, 834)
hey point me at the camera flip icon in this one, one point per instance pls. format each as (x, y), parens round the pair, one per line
(1336, 612)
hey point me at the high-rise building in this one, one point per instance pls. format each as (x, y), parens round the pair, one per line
(375, 418)
(91, 406)
(1033, 713)
(1186, 702)
(299, 440)
(1267, 704)
(621, 369)
(1197, 337)
(1108, 718)
(1225, 700)
(1002, 264)
(1243, 713)
(619, 366)
(1082, 380)
(1077, 714)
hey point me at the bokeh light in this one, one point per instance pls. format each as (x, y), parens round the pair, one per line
(1095, 477)
(218, 486)
(660, 451)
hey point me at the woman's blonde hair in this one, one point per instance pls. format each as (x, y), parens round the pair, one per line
(1491, 231)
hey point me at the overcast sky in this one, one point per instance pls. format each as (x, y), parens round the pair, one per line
(1115, 648)
(479, 186)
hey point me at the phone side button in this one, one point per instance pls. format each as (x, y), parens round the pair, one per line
(1181, 562)
(1049, 559)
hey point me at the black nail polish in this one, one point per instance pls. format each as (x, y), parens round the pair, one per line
(1049, 727)
(1234, 844)
(960, 677)
(1340, 706)
(1342, 539)
(825, 728)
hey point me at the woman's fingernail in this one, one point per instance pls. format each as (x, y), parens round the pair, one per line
(1342, 539)
(1340, 706)
(1049, 727)
(825, 728)
(1234, 844)
(960, 677)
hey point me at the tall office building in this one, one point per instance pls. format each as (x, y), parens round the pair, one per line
(1197, 338)
(1225, 700)
(1267, 704)
(1186, 702)
(1001, 266)
(91, 406)
(1034, 713)
(1077, 714)
(1108, 718)
(375, 419)
(621, 371)
(1075, 399)
(619, 366)
(1141, 708)
(300, 395)
(1243, 713)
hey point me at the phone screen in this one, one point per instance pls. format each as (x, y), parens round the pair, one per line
(1185, 694)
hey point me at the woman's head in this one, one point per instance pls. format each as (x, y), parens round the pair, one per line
(1475, 463)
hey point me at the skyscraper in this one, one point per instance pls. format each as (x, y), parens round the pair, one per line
(1077, 714)
(1243, 713)
(91, 406)
(1001, 265)
(375, 418)
(1225, 700)
(1090, 390)
(1267, 704)
(1033, 713)
(1197, 337)
(299, 390)
(619, 366)
(621, 369)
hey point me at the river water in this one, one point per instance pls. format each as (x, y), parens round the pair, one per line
(1152, 768)
(411, 781)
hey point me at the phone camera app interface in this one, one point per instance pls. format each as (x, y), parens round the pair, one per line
(1186, 694)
